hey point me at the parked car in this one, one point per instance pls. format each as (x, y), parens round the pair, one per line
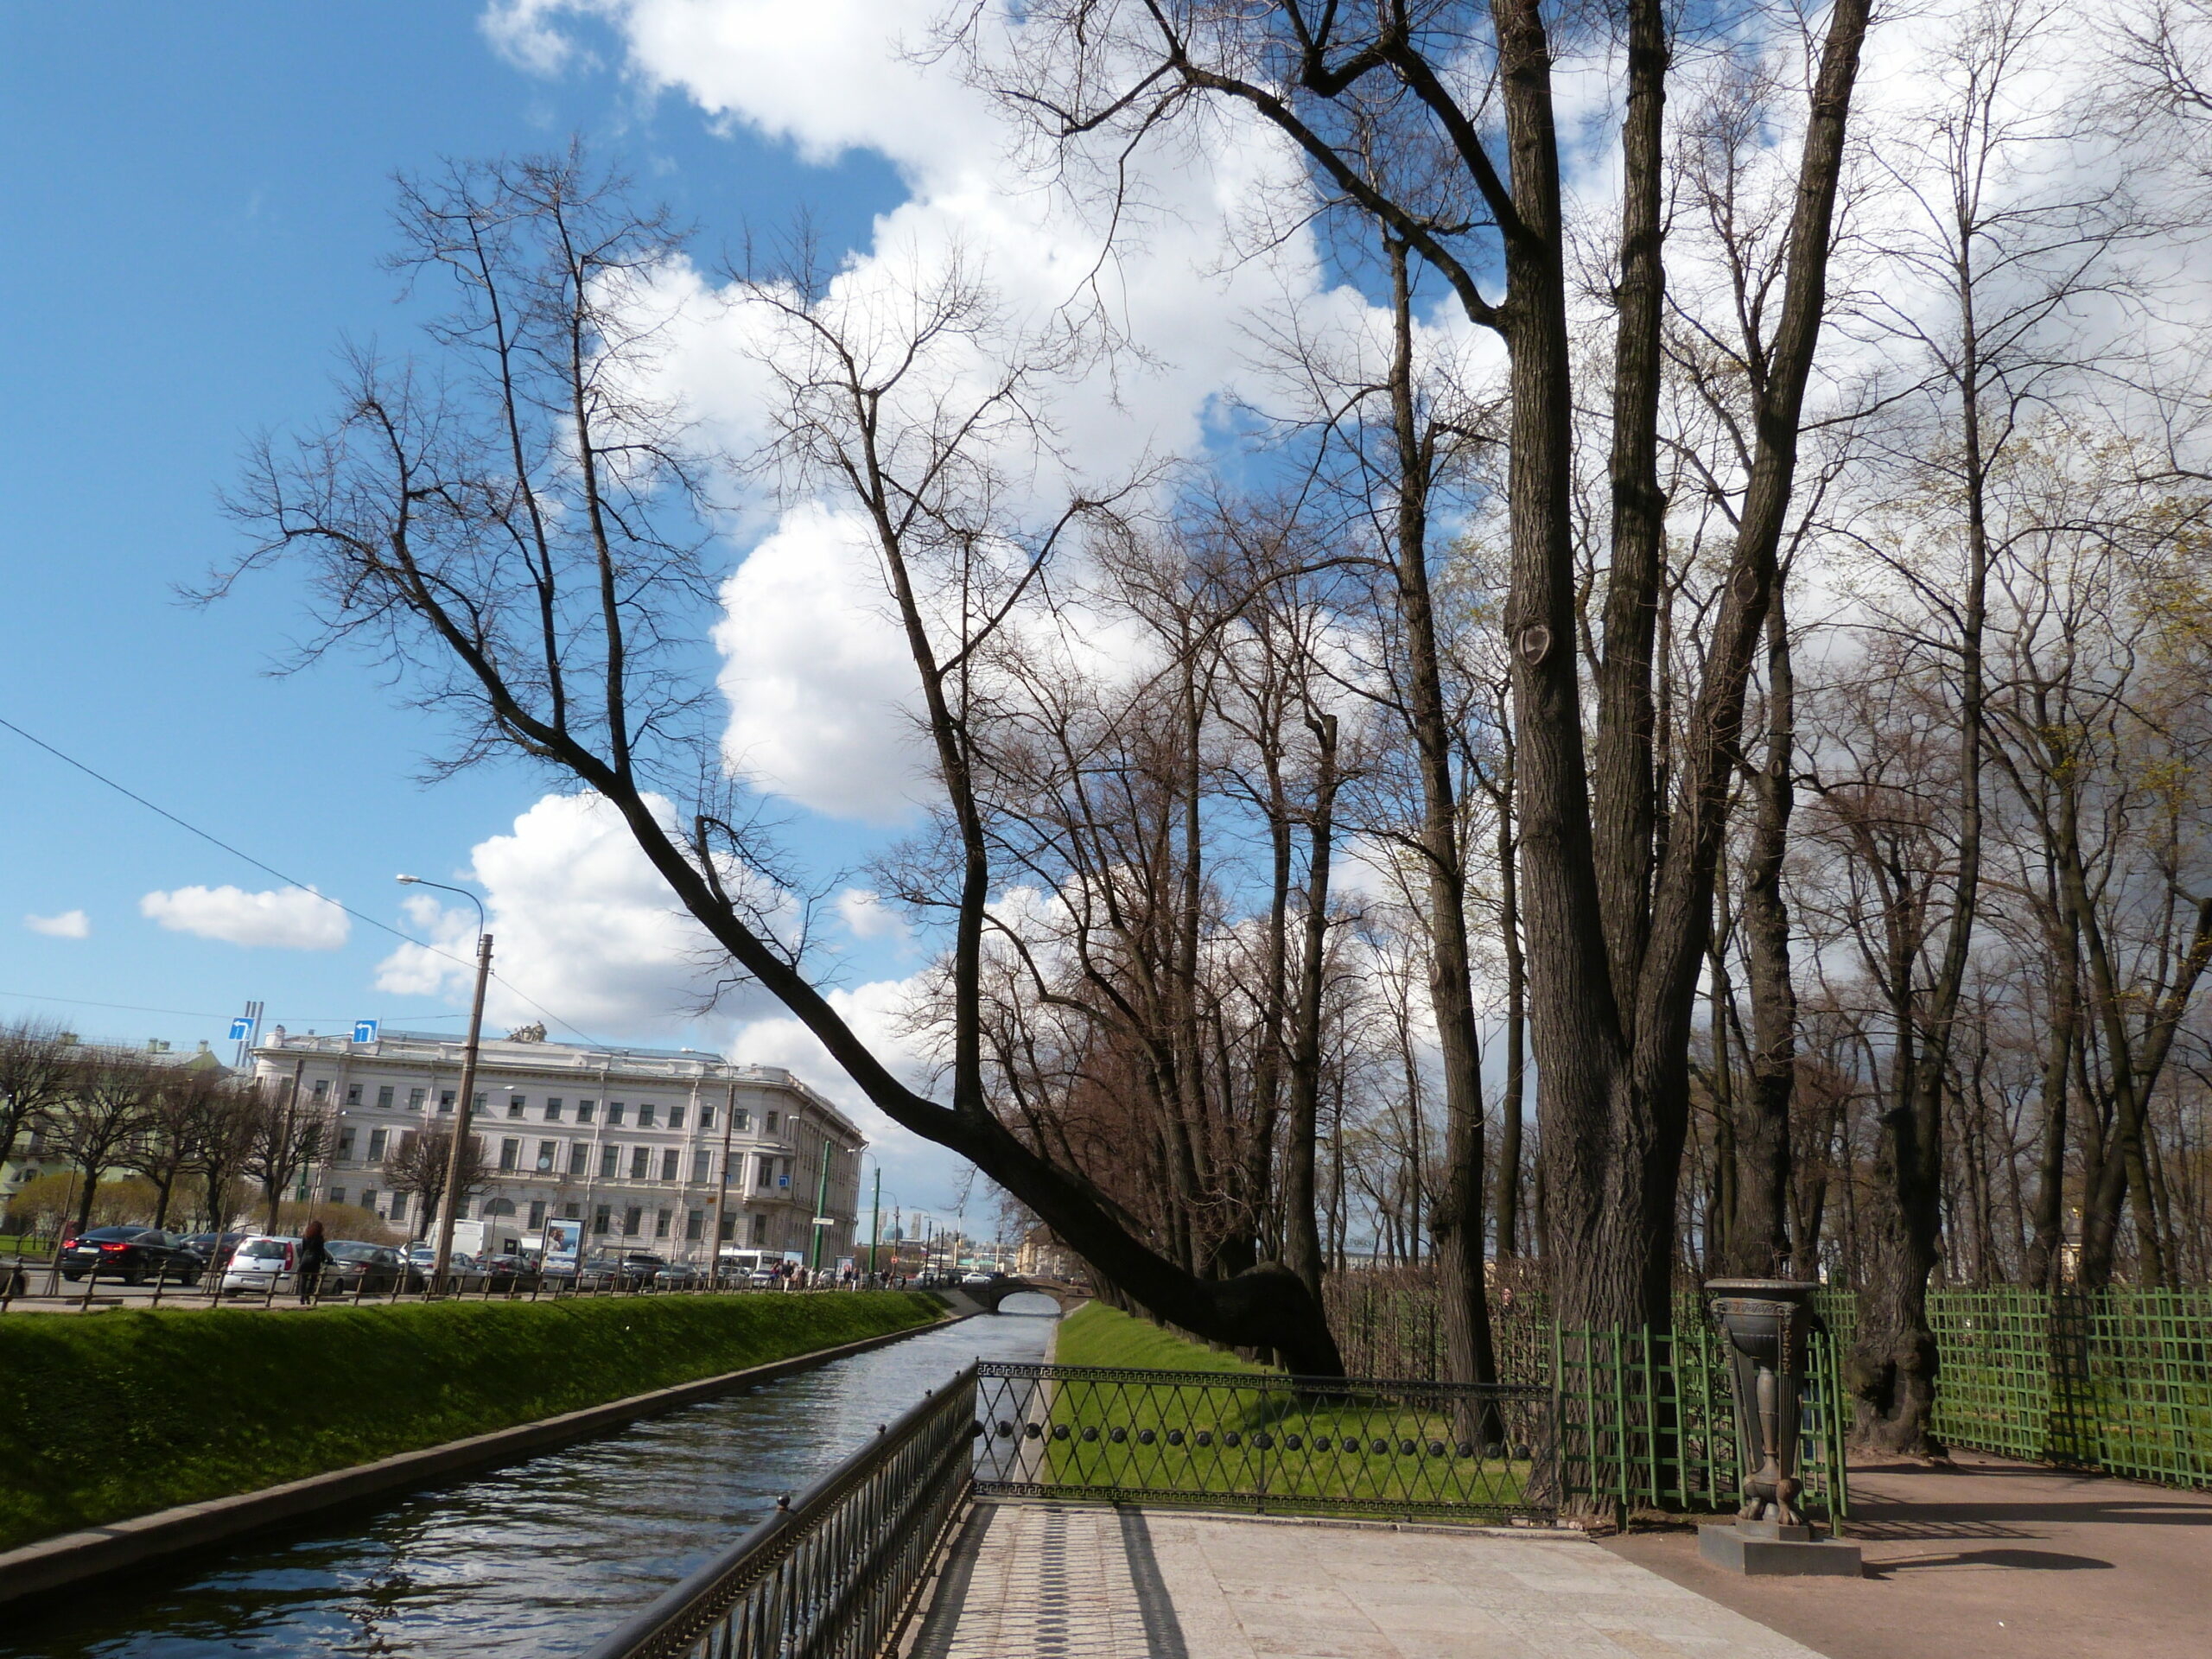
(507, 1270)
(130, 1254)
(630, 1270)
(262, 1262)
(357, 1269)
(763, 1277)
(977, 1276)
(682, 1276)
(215, 1249)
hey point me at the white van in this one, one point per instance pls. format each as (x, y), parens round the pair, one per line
(262, 1260)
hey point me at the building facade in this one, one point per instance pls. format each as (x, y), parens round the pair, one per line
(636, 1143)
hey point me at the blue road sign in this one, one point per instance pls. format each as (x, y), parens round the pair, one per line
(241, 1028)
(365, 1031)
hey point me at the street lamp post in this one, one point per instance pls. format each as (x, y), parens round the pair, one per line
(443, 1262)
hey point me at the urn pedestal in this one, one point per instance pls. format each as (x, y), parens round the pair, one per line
(1768, 1324)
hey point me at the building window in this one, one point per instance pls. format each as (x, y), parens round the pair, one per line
(445, 1100)
(352, 1093)
(641, 1162)
(675, 1117)
(660, 1223)
(633, 1218)
(338, 1195)
(614, 1111)
(369, 1199)
(771, 1124)
(322, 1088)
(700, 1161)
(729, 1229)
(399, 1206)
(579, 1157)
(645, 1111)
(759, 1230)
(600, 1214)
(767, 1169)
(669, 1160)
(695, 1226)
(742, 1121)
(515, 1103)
(784, 1175)
(536, 1215)
(377, 1139)
(584, 1110)
(415, 1097)
(610, 1161)
(548, 1153)
(572, 1211)
(345, 1145)
(383, 1097)
(706, 1117)
(482, 1102)
(509, 1155)
(552, 1108)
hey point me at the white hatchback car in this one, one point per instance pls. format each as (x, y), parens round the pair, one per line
(261, 1263)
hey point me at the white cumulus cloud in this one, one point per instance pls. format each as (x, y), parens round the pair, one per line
(69, 925)
(582, 924)
(288, 919)
(866, 917)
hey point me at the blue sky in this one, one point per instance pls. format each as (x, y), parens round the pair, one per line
(196, 199)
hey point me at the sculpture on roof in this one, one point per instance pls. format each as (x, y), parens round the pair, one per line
(533, 1033)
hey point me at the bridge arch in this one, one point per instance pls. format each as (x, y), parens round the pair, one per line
(1065, 1296)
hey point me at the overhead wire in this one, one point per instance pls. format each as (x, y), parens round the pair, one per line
(290, 882)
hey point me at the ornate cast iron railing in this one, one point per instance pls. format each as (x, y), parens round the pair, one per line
(833, 1571)
(1260, 1441)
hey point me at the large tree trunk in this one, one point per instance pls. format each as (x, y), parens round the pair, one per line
(1456, 1220)
(1759, 1234)
(1301, 1226)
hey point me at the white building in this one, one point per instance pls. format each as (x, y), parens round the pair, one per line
(634, 1142)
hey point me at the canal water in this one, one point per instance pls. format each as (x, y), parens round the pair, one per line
(542, 1557)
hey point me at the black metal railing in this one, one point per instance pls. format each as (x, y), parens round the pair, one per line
(831, 1574)
(1265, 1442)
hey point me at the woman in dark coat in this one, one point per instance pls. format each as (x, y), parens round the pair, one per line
(314, 1255)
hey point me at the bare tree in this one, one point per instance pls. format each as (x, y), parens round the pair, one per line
(111, 1099)
(288, 1135)
(37, 1072)
(1436, 125)
(418, 1164)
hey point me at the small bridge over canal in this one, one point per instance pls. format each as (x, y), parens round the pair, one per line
(1066, 1296)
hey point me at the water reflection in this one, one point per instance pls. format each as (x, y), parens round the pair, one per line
(541, 1557)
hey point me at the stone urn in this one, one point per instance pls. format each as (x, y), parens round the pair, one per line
(1768, 1323)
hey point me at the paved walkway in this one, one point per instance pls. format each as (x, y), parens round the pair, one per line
(1987, 1557)
(1037, 1581)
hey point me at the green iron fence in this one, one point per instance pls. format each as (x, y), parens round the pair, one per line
(1266, 1442)
(2119, 1381)
(1647, 1422)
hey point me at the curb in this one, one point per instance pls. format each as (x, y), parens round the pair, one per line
(72, 1558)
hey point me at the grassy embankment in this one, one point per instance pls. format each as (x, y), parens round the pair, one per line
(1202, 1438)
(120, 1413)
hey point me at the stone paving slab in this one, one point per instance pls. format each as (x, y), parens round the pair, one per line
(1047, 1581)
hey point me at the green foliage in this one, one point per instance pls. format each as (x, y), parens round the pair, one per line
(1095, 1334)
(119, 1413)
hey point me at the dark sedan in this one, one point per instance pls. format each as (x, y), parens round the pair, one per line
(130, 1254)
(215, 1250)
(367, 1270)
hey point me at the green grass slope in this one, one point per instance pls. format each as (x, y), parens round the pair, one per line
(1095, 1334)
(123, 1413)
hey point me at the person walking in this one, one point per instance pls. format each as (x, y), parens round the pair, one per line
(313, 1257)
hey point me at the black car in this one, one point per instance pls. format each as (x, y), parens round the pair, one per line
(215, 1250)
(368, 1269)
(633, 1270)
(130, 1254)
